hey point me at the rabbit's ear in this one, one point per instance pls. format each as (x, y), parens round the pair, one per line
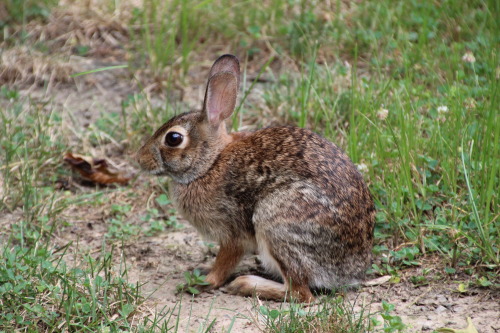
(220, 97)
(226, 63)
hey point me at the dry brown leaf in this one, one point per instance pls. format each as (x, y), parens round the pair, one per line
(94, 170)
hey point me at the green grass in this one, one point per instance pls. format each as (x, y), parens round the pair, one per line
(332, 314)
(38, 290)
(171, 35)
(20, 11)
(434, 174)
(392, 83)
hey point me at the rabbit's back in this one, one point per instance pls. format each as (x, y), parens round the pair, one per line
(312, 207)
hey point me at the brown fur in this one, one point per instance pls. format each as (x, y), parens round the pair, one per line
(228, 257)
(286, 192)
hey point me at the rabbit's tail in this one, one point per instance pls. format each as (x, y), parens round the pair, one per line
(249, 285)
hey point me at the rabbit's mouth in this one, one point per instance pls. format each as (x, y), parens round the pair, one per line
(158, 172)
(183, 177)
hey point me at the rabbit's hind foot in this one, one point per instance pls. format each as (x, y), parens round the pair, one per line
(249, 285)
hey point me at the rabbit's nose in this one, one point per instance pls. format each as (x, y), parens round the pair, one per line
(144, 157)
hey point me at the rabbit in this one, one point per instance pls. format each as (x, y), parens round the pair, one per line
(285, 192)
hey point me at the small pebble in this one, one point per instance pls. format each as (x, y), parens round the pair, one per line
(442, 299)
(440, 309)
(427, 326)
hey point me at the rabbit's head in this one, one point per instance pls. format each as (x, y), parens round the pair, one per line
(186, 146)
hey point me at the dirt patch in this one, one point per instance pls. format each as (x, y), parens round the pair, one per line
(161, 262)
(428, 308)
(158, 262)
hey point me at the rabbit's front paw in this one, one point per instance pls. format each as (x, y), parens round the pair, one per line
(215, 279)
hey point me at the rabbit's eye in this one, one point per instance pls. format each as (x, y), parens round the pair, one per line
(173, 139)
